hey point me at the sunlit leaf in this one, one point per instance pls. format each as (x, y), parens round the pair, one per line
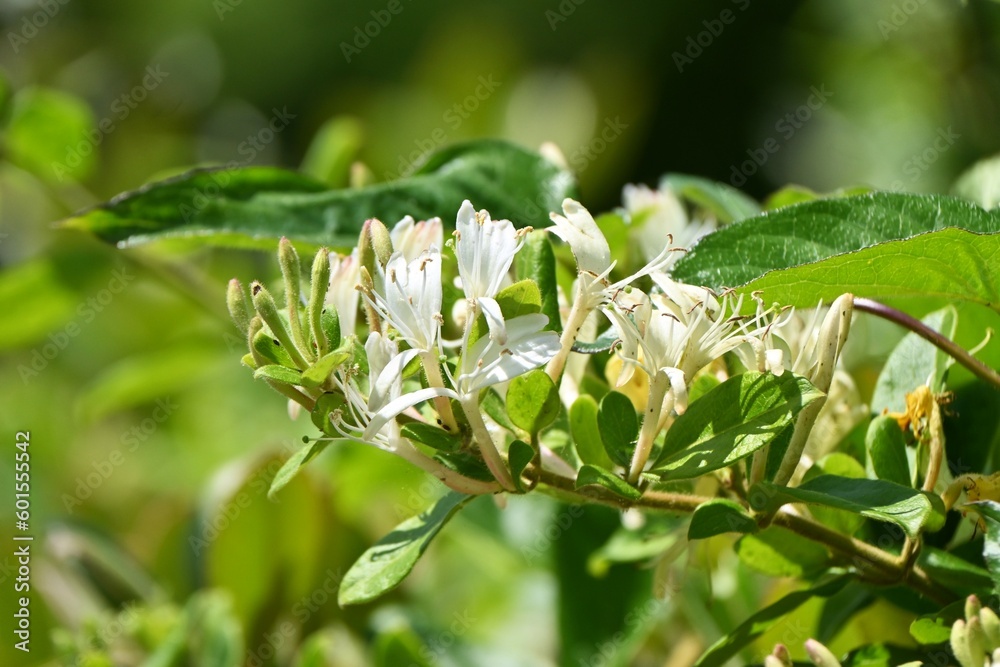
(386, 564)
(255, 206)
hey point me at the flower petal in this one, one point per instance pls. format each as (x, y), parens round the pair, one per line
(398, 405)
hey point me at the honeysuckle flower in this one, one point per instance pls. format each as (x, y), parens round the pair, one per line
(342, 293)
(672, 335)
(660, 216)
(488, 361)
(410, 299)
(412, 238)
(485, 249)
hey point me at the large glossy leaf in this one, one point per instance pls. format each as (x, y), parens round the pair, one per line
(387, 563)
(815, 230)
(255, 206)
(726, 648)
(910, 509)
(952, 264)
(731, 422)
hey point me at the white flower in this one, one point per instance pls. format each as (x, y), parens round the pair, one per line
(679, 332)
(411, 302)
(593, 255)
(489, 361)
(485, 249)
(412, 238)
(661, 220)
(342, 293)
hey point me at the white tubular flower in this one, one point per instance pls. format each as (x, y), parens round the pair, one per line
(593, 255)
(411, 302)
(490, 361)
(485, 249)
(660, 217)
(412, 238)
(342, 294)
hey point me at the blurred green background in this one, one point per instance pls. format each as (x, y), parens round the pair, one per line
(152, 448)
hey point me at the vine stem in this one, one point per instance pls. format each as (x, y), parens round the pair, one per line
(958, 353)
(879, 565)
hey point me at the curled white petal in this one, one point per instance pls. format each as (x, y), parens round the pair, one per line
(585, 239)
(392, 409)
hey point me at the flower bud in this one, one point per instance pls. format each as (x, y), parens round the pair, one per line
(972, 607)
(239, 306)
(291, 269)
(779, 657)
(320, 282)
(991, 626)
(268, 310)
(832, 337)
(976, 639)
(960, 646)
(375, 246)
(820, 655)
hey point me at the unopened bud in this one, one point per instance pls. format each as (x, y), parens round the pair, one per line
(972, 607)
(821, 655)
(779, 657)
(832, 337)
(320, 283)
(268, 310)
(291, 269)
(239, 305)
(960, 646)
(991, 626)
(976, 639)
(375, 246)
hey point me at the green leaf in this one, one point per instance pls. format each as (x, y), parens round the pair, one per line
(725, 202)
(912, 362)
(990, 511)
(815, 230)
(936, 628)
(325, 404)
(954, 572)
(780, 552)
(537, 261)
(726, 648)
(602, 343)
(888, 450)
(618, 426)
(319, 372)
(658, 535)
(294, 463)
(47, 134)
(255, 206)
(789, 195)
(910, 509)
(519, 455)
(386, 564)
(267, 346)
(951, 264)
(521, 298)
(592, 475)
(278, 374)
(585, 432)
(718, 516)
(432, 436)
(731, 422)
(494, 406)
(533, 401)
(843, 465)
